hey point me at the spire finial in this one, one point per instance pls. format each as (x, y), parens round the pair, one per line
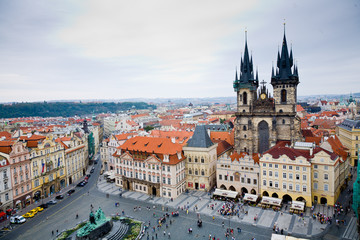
(284, 25)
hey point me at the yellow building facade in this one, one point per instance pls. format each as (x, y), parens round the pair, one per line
(349, 134)
(47, 166)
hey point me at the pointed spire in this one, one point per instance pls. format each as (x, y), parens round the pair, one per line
(236, 75)
(257, 74)
(272, 70)
(291, 57)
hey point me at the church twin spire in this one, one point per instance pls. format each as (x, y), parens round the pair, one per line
(286, 69)
(246, 74)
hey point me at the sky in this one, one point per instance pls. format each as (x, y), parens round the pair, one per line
(111, 49)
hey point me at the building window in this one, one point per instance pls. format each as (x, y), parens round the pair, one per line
(290, 186)
(297, 176)
(169, 181)
(277, 184)
(264, 182)
(203, 173)
(326, 187)
(189, 159)
(326, 176)
(283, 96)
(284, 166)
(315, 185)
(270, 165)
(168, 168)
(284, 175)
(264, 172)
(225, 177)
(231, 178)
(315, 166)
(290, 167)
(270, 173)
(276, 165)
(249, 181)
(270, 183)
(290, 176)
(255, 181)
(304, 169)
(196, 172)
(202, 160)
(164, 180)
(245, 98)
(190, 171)
(315, 175)
(196, 160)
(276, 174)
(264, 164)
(297, 187)
(304, 177)
(297, 168)
(220, 177)
(242, 180)
(304, 188)
(284, 185)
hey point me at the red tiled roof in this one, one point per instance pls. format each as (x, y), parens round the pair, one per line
(223, 146)
(299, 108)
(226, 136)
(337, 147)
(5, 134)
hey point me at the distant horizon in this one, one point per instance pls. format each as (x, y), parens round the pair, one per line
(167, 98)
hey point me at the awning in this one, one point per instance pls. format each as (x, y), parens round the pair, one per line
(271, 201)
(17, 202)
(2, 214)
(278, 237)
(28, 196)
(225, 193)
(297, 205)
(250, 197)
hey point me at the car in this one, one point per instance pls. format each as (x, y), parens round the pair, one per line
(71, 191)
(34, 211)
(88, 175)
(92, 170)
(59, 197)
(17, 219)
(81, 184)
(96, 162)
(39, 209)
(44, 205)
(51, 202)
(28, 215)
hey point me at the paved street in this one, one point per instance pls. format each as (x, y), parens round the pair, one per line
(62, 216)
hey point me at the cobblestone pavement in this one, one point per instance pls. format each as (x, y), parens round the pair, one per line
(198, 202)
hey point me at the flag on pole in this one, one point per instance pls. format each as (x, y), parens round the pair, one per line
(43, 167)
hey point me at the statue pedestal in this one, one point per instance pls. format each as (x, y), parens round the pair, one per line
(98, 232)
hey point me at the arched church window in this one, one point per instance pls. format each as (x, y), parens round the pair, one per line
(196, 172)
(245, 150)
(283, 121)
(280, 111)
(244, 128)
(244, 110)
(283, 96)
(245, 98)
(202, 172)
(245, 136)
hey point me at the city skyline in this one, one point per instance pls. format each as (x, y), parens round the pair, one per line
(157, 49)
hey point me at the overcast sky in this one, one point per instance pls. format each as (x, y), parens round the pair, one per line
(55, 50)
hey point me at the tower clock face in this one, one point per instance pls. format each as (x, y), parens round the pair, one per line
(263, 96)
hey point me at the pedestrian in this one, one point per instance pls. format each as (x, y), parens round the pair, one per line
(156, 235)
(164, 233)
(213, 218)
(52, 232)
(169, 234)
(222, 224)
(57, 232)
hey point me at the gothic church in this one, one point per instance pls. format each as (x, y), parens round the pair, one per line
(261, 119)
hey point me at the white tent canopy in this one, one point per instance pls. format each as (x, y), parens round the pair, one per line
(250, 197)
(225, 193)
(271, 201)
(297, 205)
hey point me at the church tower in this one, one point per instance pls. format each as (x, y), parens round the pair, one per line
(246, 87)
(284, 82)
(261, 119)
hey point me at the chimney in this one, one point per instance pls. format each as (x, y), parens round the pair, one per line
(173, 140)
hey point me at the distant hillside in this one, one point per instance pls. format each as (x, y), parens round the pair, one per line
(66, 109)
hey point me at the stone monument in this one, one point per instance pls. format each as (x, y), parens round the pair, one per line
(97, 226)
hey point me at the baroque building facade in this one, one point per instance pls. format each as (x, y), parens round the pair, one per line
(261, 119)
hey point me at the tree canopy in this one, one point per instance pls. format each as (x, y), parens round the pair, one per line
(66, 109)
